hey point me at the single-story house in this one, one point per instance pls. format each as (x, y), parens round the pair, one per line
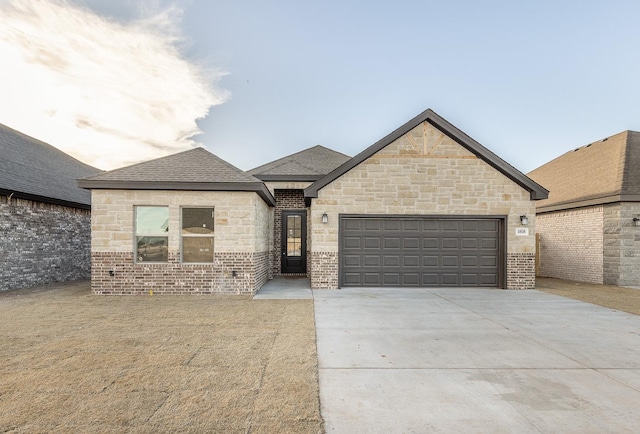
(45, 230)
(425, 206)
(589, 226)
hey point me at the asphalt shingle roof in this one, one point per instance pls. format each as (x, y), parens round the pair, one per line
(312, 163)
(195, 169)
(601, 172)
(195, 165)
(35, 170)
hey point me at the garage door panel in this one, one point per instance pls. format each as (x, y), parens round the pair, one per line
(411, 243)
(431, 243)
(372, 242)
(410, 279)
(469, 261)
(450, 261)
(352, 260)
(352, 242)
(391, 279)
(391, 260)
(372, 279)
(411, 261)
(419, 251)
(469, 279)
(391, 242)
(372, 260)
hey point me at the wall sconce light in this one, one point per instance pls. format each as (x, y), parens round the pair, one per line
(325, 218)
(524, 220)
(636, 220)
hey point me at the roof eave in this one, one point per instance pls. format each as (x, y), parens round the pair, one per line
(257, 187)
(583, 203)
(44, 199)
(537, 192)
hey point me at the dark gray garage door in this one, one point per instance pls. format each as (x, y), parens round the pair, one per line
(419, 251)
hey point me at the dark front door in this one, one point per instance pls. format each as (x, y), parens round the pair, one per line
(294, 241)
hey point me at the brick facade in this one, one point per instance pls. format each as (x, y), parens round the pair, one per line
(323, 272)
(286, 199)
(427, 174)
(521, 271)
(230, 273)
(42, 243)
(572, 244)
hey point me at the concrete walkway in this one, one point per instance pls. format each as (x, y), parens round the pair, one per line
(285, 288)
(474, 360)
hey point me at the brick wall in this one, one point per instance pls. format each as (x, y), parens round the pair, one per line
(286, 199)
(427, 174)
(521, 271)
(572, 244)
(323, 270)
(117, 274)
(42, 243)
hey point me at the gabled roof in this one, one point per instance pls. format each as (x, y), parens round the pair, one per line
(537, 191)
(195, 169)
(307, 165)
(602, 172)
(34, 170)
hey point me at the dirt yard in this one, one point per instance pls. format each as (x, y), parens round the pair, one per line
(74, 362)
(615, 297)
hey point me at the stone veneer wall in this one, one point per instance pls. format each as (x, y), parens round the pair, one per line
(621, 244)
(572, 244)
(423, 173)
(286, 199)
(241, 244)
(42, 243)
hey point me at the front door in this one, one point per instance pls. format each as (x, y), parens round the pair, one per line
(294, 241)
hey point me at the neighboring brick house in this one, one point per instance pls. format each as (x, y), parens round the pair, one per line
(588, 224)
(45, 231)
(425, 206)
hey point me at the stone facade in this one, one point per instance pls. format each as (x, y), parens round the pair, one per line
(242, 228)
(621, 244)
(286, 199)
(572, 244)
(434, 177)
(42, 243)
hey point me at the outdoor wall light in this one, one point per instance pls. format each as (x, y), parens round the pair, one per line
(524, 220)
(325, 218)
(636, 220)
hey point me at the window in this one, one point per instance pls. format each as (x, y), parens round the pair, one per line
(197, 234)
(152, 226)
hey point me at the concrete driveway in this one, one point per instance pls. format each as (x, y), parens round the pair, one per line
(475, 360)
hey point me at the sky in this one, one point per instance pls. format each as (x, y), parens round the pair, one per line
(115, 82)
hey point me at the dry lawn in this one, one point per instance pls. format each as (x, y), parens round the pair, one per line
(615, 297)
(74, 362)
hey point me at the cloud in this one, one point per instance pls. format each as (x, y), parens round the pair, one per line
(109, 93)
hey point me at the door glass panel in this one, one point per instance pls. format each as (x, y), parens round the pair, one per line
(294, 233)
